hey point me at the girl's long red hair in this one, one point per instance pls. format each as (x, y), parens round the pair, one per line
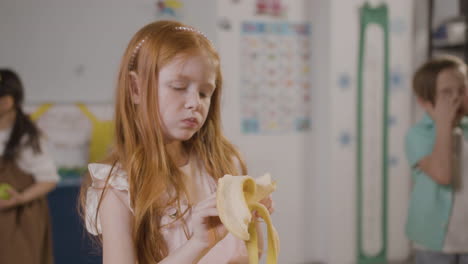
(139, 144)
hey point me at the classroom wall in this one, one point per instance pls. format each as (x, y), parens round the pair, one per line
(69, 51)
(316, 170)
(284, 154)
(317, 179)
(343, 185)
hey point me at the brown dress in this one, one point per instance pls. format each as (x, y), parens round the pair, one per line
(25, 231)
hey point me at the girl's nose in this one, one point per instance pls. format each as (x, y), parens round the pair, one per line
(193, 101)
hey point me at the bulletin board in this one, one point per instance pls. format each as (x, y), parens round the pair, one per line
(76, 134)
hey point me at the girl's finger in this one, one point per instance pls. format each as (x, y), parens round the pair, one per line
(271, 210)
(272, 207)
(12, 191)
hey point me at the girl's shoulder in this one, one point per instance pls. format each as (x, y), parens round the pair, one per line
(100, 173)
(116, 179)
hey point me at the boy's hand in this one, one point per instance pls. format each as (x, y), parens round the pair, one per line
(446, 109)
(465, 104)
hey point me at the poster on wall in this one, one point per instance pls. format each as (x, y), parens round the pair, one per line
(274, 8)
(77, 134)
(275, 77)
(169, 8)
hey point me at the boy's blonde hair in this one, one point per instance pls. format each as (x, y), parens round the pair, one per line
(425, 78)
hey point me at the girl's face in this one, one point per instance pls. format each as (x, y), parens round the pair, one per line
(185, 87)
(6, 105)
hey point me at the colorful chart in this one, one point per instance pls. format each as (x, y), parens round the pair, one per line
(275, 77)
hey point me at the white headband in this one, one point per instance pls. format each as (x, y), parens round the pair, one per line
(138, 46)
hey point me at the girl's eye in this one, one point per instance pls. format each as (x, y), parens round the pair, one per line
(178, 86)
(206, 94)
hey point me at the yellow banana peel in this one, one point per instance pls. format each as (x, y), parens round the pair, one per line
(236, 198)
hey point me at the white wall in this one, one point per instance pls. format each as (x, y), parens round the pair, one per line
(68, 51)
(285, 156)
(335, 163)
(317, 178)
(316, 174)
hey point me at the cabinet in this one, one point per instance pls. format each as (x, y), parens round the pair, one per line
(449, 36)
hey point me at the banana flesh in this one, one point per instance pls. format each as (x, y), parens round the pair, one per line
(236, 198)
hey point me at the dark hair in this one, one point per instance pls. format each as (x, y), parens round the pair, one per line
(425, 78)
(10, 85)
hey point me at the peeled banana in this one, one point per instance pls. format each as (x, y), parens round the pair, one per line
(236, 198)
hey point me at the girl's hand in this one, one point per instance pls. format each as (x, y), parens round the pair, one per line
(15, 200)
(269, 204)
(207, 227)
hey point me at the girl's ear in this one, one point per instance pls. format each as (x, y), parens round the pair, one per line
(135, 87)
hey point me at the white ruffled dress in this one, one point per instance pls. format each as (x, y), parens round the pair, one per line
(230, 250)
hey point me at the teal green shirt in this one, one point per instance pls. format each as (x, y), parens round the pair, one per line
(430, 203)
